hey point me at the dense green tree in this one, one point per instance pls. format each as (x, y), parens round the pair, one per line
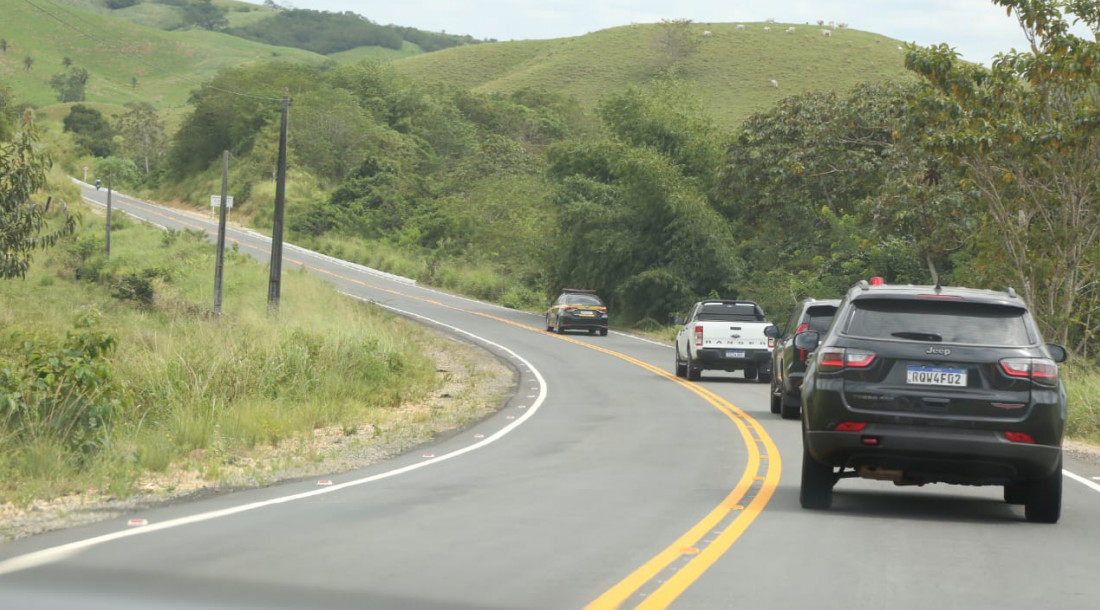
(205, 15)
(22, 221)
(1028, 138)
(319, 31)
(231, 110)
(70, 85)
(143, 135)
(7, 113)
(90, 129)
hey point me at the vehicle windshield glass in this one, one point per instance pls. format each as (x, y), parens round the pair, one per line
(939, 321)
(582, 299)
(821, 318)
(730, 312)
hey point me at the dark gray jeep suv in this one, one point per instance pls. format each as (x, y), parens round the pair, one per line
(931, 384)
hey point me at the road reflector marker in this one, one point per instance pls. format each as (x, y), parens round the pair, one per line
(324, 482)
(690, 550)
(137, 522)
(758, 479)
(429, 455)
(521, 406)
(509, 417)
(479, 436)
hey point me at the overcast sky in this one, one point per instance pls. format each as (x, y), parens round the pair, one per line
(978, 29)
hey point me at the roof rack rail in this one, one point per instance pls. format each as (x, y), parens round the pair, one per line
(863, 285)
(1011, 292)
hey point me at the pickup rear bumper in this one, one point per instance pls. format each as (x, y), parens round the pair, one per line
(733, 359)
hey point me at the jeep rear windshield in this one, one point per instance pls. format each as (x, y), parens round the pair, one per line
(939, 321)
(729, 312)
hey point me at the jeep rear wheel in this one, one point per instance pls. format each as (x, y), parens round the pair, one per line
(816, 491)
(1044, 498)
(789, 408)
(750, 372)
(777, 398)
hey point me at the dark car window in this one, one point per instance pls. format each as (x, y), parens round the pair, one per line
(939, 321)
(730, 312)
(821, 317)
(581, 299)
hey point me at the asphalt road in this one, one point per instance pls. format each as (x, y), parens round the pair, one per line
(604, 482)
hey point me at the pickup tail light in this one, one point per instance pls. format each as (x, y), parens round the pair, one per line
(834, 359)
(801, 353)
(771, 342)
(699, 335)
(1039, 370)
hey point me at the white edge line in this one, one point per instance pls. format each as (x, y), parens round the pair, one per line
(59, 553)
(1082, 480)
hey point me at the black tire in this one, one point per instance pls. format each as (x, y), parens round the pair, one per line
(1044, 498)
(558, 329)
(603, 332)
(681, 367)
(1016, 494)
(591, 331)
(816, 491)
(694, 373)
(750, 372)
(549, 326)
(777, 399)
(764, 377)
(789, 408)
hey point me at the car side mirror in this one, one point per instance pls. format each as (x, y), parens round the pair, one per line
(807, 340)
(678, 320)
(1057, 352)
(772, 331)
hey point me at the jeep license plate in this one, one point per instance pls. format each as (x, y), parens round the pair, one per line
(936, 375)
(734, 354)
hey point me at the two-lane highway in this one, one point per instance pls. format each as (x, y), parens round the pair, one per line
(604, 482)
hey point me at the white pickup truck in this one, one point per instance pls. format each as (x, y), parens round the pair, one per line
(725, 336)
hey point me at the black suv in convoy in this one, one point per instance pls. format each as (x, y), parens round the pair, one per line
(789, 362)
(577, 309)
(927, 384)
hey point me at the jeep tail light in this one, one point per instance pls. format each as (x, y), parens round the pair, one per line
(1020, 437)
(838, 358)
(699, 335)
(1040, 370)
(801, 353)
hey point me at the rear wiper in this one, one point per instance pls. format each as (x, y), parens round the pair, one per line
(916, 336)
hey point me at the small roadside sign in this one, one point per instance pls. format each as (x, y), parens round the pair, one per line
(215, 201)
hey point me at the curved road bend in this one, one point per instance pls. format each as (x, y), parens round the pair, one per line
(604, 482)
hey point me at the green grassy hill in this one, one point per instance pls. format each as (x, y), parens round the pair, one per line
(166, 65)
(732, 68)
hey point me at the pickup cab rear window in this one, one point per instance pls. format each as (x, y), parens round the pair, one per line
(939, 321)
(730, 313)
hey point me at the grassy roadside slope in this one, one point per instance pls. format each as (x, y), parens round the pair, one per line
(182, 389)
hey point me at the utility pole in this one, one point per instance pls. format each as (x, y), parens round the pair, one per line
(107, 247)
(220, 261)
(273, 285)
